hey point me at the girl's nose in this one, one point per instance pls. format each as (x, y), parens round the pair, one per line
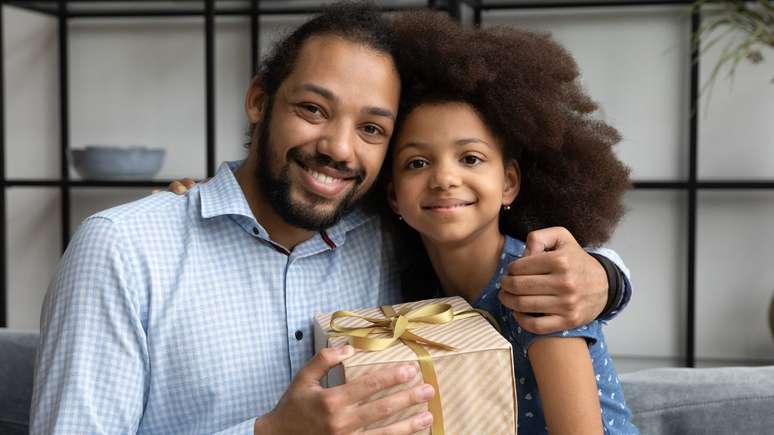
(444, 177)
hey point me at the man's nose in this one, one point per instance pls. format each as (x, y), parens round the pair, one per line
(444, 176)
(338, 142)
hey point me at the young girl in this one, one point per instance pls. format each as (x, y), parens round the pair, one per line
(493, 141)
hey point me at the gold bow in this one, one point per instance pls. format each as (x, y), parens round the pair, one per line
(398, 326)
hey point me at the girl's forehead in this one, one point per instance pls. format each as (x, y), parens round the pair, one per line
(446, 123)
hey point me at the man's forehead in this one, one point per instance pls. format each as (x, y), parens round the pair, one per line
(335, 67)
(330, 55)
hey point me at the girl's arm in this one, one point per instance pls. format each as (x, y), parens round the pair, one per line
(568, 389)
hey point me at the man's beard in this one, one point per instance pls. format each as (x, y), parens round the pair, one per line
(277, 187)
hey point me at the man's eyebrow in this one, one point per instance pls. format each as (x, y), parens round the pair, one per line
(379, 111)
(323, 92)
(328, 95)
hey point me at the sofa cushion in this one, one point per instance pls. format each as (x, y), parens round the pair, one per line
(702, 401)
(17, 356)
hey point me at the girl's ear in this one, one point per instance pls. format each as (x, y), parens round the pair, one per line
(392, 199)
(255, 101)
(512, 182)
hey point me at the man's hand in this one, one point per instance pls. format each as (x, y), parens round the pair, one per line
(309, 408)
(555, 278)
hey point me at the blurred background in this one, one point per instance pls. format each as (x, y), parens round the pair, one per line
(696, 236)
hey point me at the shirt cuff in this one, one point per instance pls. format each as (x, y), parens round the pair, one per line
(246, 427)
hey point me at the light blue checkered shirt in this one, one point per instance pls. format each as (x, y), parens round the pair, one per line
(176, 314)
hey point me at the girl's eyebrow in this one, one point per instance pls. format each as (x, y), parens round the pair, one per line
(471, 140)
(458, 142)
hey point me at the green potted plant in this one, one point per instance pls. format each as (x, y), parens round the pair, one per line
(745, 28)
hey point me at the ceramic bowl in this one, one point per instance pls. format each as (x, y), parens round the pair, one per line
(96, 162)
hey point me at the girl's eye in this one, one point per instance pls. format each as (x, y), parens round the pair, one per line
(471, 160)
(416, 164)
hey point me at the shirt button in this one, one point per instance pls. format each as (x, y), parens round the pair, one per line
(299, 335)
(256, 231)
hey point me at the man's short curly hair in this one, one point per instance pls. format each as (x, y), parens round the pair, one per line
(525, 87)
(358, 21)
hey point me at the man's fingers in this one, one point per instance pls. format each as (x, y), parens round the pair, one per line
(547, 239)
(531, 285)
(367, 385)
(531, 304)
(411, 425)
(537, 264)
(541, 324)
(326, 359)
(385, 407)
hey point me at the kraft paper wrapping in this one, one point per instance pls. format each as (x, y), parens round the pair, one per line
(476, 381)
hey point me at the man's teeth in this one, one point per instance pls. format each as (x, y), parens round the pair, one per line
(322, 177)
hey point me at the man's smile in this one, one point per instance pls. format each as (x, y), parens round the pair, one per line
(324, 181)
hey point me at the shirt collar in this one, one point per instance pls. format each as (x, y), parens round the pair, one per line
(348, 222)
(222, 195)
(512, 249)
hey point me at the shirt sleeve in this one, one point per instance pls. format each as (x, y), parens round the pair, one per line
(623, 300)
(92, 365)
(626, 294)
(523, 339)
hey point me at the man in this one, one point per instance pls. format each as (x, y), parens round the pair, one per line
(192, 314)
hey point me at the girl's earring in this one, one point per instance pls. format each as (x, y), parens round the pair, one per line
(506, 207)
(400, 218)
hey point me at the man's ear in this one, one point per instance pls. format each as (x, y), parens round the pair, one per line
(392, 199)
(512, 182)
(255, 100)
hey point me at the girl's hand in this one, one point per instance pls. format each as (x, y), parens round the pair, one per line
(556, 278)
(180, 187)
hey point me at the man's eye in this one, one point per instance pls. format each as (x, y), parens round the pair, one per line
(371, 130)
(416, 164)
(311, 108)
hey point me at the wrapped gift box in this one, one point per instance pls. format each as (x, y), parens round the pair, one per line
(476, 381)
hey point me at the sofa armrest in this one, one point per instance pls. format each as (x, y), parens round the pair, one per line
(687, 401)
(17, 357)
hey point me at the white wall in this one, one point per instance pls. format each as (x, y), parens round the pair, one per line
(142, 82)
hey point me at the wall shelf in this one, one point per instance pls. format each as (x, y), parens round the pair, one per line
(65, 10)
(186, 8)
(86, 183)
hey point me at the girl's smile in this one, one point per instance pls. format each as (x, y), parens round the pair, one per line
(446, 205)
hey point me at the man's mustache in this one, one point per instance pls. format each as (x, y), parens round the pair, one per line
(317, 159)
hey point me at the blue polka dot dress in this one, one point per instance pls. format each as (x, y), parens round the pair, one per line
(616, 416)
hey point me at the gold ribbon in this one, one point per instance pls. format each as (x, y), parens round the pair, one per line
(398, 327)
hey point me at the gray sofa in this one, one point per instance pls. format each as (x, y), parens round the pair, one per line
(738, 400)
